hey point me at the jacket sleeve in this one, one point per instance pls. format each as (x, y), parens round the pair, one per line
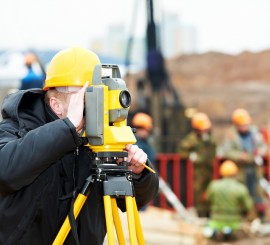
(146, 188)
(24, 159)
(246, 200)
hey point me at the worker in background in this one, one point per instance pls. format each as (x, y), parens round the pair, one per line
(229, 200)
(243, 144)
(200, 147)
(33, 78)
(144, 127)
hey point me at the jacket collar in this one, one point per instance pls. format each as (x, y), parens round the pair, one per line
(26, 107)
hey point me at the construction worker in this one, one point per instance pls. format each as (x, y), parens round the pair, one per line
(44, 160)
(229, 200)
(200, 147)
(243, 144)
(144, 127)
(33, 79)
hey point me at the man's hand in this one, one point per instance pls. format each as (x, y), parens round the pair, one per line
(76, 107)
(137, 157)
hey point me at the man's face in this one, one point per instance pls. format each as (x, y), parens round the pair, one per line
(204, 134)
(61, 97)
(143, 133)
(243, 128)
(64, 100)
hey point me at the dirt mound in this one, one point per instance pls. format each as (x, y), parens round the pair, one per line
(217, 68)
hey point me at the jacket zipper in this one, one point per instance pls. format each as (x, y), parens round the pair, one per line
(75, 166)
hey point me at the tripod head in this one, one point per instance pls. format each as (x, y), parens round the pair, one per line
(107, 103)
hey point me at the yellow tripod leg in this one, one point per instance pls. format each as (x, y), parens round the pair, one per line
(138, 225)
(109, 219)
(117, 223)
(131, 221)
(62, 234)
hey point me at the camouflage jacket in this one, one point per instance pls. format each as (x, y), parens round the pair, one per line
(204, 150)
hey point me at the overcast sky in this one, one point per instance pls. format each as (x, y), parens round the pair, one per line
(222, 25)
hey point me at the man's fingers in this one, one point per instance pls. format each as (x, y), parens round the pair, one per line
(76, 107)
(137, 156)
(85, 85)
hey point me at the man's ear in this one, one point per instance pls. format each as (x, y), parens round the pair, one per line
(56, 106)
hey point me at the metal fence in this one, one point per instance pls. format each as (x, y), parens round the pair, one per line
(178, 173)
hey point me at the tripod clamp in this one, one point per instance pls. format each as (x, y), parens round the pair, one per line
(116, 177)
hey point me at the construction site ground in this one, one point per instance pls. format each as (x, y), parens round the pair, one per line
(164, 227)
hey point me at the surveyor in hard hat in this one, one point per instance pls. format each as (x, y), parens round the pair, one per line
(34, 77)
(243, 144)
(229, 200)
(199, 146)
(44, 160)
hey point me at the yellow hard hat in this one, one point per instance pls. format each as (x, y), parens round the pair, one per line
(241, 117)
(71, 67)
(228, 168)
(200, 121)
(142, 120)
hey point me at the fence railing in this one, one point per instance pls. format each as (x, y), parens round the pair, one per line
(178, 173)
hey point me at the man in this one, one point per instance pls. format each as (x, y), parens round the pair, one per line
(243, 144)
(229, 200)
(144, 126)
(200, 147)
(33, 78)
(43, 159)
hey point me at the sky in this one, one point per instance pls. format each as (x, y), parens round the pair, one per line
(229, 26)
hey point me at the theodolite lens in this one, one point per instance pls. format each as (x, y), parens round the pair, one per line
(125, 98)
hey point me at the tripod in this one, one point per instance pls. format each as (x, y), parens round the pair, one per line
(117, 183)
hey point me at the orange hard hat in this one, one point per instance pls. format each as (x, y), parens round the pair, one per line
(241, 117)
(201, 121)
(228, 168)
(30, 58)
(142, 120)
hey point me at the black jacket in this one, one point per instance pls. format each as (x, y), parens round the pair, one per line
(42, 161)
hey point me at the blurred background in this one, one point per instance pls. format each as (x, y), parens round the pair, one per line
(216, 53)
(176, 56)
